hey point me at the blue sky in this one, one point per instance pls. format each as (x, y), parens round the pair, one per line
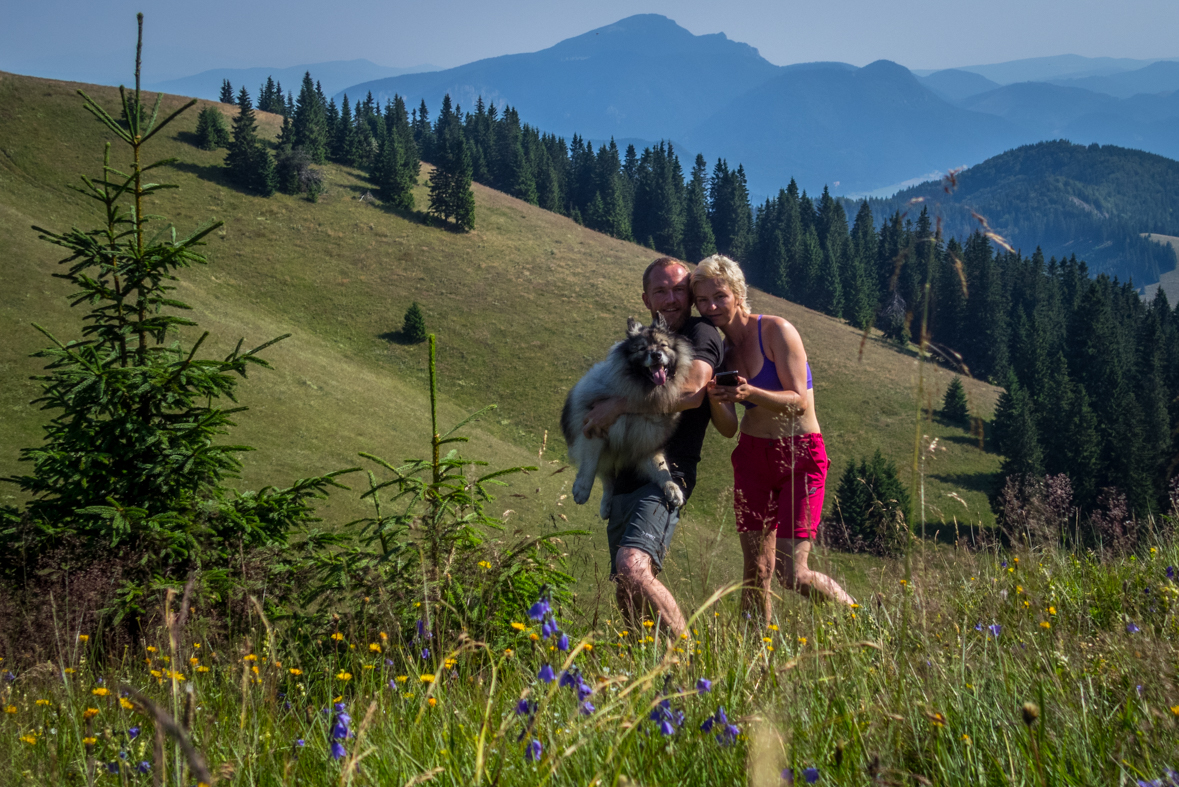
(92, 40)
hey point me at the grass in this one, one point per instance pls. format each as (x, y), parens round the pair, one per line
(926, 682)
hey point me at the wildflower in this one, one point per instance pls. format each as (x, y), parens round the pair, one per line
(1175, 710)
(568, 678)
(1045, 624)
(1131, 628)
(648, 623)
(767, 639)
(83, 638)
(44, 702)
(8, 676)
(546, 674)
(402, 678)
(143, 767)
(295, 671)
(728, 735)
(425, 653)
(937, 719)
(1170, 572)
(344, 676)
(1031, 712)
(966, 739)
(811, 775)
(250, 657)
(1051, 610)
(100, 692)
(340, 730)
(583, 689)
(483, 564)
(432, 702)
(90, 741)
(10, 709)
(525, 707)
(533, 751)
(374, 647)
(534, 636)
(338, 637)
(384, 637)
(904, 582)
(427, 678)
(29, 739)
(508, 652)
(703, 686)
(300, 743)
(774, 627)
(994, 629)
(89, 713)
(194, 661)
(623, 633)
(133, 733)
(563, 642)
(802, 641)
(586, 709)
(518, 626)
(338, 751)
(548, 628)
(112, 767)
(449, 663)
(540, 610)
(202, 668)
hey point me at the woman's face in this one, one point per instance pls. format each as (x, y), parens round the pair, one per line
(714, 301)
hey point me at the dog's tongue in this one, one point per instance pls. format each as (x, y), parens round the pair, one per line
(659, 376)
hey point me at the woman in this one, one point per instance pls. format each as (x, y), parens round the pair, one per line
(780, 463)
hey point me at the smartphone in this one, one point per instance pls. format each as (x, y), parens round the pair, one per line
(727, 379)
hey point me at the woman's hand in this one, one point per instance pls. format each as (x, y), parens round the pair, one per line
(730, 393)
(722, 411)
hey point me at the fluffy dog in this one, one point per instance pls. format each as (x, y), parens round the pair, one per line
(648, 369)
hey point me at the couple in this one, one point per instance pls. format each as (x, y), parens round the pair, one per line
(779, 465)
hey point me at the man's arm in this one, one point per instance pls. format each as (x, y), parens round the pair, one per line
(605, 412)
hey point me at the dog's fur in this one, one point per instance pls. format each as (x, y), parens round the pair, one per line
(632, 370)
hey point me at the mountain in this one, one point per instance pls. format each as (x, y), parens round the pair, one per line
(333, 75)
(954, 85)
(1039, 108)
(853, 128)
(1159, 77)
(1092, 201)
(1044, 69)
(644, 76)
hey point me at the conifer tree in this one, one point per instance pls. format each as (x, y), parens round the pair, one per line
(955, 408)
(451, 196)
(245, 158)
(226, 92)
(874, 507)
(698, 239)
(211, 131)
(310, 121)
(1016, 435)
(414, 327)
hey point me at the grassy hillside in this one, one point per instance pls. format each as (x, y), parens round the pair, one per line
(521, 306)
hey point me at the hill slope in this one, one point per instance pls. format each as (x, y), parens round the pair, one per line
(1090, 201)
(522, 307)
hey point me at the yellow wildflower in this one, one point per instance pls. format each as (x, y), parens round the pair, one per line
(194, 661)
(125, 704)
(767, 639)
(483, 564)
(295, 671)
(152, 648)
(402, 678)
(518, 626)
(1045, 624)
(90, 741)
(408, 695)
(432, 702)
(772, 627)
(196, 645)
(507, 651)
(589, 646)
(338, 637)
(10, 709)
(802, 641)
(623, 633)
(449, 663)
(1051, 610)
(534, 636)
(202, 668)
(254, 669)
(83, 638)
(904, 582)
(101, 691)
(648, 623)
(250, 657)
(156, 673)
(770, 648)
(345, 676)
(68, 670)
(966, 739)
(44, 702)
(427, 678)
(1175, 709)
(374, 647)
(89, 713)
(368, 666)
(29, 739)
(384, 637)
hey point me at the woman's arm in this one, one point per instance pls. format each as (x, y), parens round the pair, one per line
(724, 414)
(789, 356)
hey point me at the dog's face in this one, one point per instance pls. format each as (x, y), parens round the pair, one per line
(650, 351)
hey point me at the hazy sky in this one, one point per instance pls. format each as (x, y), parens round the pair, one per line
(92, 40)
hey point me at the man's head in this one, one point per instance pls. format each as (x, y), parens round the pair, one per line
(666, 291)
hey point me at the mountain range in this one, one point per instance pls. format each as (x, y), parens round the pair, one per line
(333, 76)
(858, 130)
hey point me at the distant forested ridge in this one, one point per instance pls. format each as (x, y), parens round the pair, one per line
(1092, 201)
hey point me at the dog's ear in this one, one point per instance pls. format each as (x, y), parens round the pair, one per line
(659, 323)
(633, 327)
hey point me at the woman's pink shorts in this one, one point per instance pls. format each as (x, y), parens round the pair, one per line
(780, 483)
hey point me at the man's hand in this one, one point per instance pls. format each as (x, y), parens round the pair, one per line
(602, 416)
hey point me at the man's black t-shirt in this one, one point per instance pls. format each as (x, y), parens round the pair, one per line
(683, 449)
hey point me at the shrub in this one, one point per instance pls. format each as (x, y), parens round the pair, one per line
(414, 327)
(211, 131)
(295, 174)
(955, 408)
(874, 506)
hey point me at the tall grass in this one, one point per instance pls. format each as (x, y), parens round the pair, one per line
(927, 680)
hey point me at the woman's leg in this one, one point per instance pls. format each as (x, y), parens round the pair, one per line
(794, 573)
(757, 548)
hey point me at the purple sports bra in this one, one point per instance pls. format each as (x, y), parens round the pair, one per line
(767, 377)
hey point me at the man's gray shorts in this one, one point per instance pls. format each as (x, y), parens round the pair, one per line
(641, 520)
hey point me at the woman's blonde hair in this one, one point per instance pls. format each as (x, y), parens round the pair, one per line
(721, 269)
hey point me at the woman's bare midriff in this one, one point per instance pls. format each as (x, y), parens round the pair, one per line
(760, 421)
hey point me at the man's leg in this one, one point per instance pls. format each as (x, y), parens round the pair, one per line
(637, 587)
(757, 549)
(793, 572)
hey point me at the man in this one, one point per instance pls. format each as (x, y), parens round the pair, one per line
(641, 523)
